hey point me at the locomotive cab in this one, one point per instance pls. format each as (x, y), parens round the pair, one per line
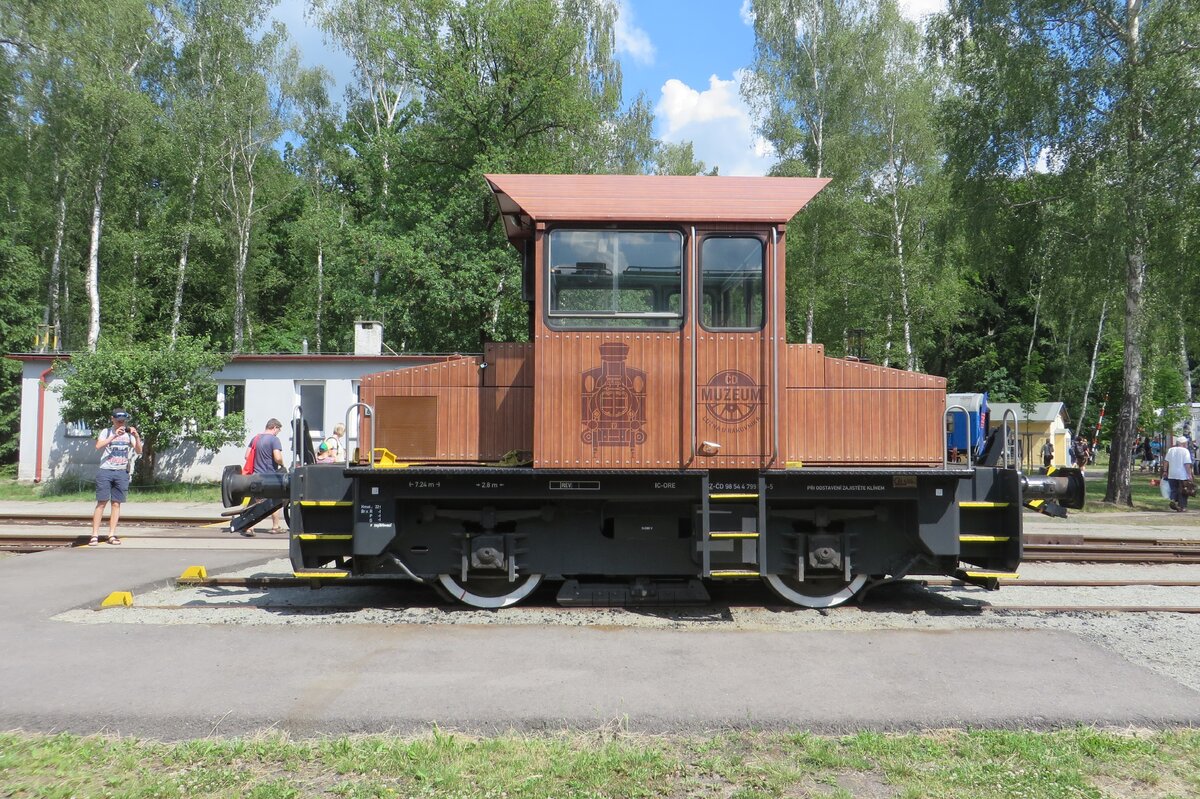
(657, 432)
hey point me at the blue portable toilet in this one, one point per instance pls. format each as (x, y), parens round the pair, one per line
(973, 422)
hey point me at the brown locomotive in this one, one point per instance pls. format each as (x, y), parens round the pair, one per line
(658, 429)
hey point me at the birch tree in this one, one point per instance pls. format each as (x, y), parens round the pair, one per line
(804, 88)
(252, 109)
(1097, 84)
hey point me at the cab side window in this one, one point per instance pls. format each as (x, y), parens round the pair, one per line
(731, 283)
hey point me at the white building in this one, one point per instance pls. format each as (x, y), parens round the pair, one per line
(262, 386)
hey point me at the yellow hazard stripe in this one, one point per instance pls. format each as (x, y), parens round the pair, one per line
(733, 496)
(325, 537)
(983, 539)
(994, 575)
(719, 536)
(734, 573)
(983, 504)
(308, 575)
(325, 503)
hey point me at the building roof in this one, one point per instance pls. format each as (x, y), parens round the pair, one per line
(1042, 411)
(527, 199)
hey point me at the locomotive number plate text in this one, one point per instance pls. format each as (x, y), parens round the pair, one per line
(574, 485)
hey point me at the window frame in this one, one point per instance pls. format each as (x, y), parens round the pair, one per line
(560, 321)
(316, 434)
(222, 411)
(704, 238)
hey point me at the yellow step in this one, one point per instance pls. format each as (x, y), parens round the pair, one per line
(727, 536)
(983, 539)
(983, 575)
(983, 504)
(733, 574)
(308, 574)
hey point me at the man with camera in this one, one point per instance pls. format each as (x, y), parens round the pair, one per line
(119, 443)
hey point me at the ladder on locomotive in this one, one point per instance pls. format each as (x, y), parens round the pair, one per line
(723, 540)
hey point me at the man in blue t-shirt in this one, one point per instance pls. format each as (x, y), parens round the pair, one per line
(119, 443)
(268, 458)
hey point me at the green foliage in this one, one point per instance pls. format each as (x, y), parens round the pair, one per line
(984, 764)
(167, 390)
(993, 187)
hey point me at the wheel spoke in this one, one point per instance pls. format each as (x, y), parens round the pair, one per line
(490, 592)
(815, 593)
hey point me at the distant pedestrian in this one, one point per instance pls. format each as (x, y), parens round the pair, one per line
(1081, 453)
(1047, 453)
(268, 459)
(331, 450)
(1177, 470)
(119, 442)
(1147, 454)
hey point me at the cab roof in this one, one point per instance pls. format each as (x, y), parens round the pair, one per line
(528, 199)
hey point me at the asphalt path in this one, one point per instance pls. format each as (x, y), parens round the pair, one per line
(172, 682)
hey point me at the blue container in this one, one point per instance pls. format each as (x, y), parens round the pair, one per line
(973, 423)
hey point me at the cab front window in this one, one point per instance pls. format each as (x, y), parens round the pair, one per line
(615, 279)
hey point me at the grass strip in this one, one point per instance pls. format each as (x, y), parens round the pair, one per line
(1081, 762)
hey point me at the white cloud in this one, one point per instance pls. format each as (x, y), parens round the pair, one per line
(718, 124)
(632, 40)
(917, 10)
(746, 12)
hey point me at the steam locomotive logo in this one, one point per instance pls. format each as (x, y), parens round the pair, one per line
(613, 401)
(731, 398)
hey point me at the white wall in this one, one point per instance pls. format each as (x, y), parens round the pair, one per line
(271, 391)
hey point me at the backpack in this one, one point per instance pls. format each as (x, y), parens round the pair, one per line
(251, 452)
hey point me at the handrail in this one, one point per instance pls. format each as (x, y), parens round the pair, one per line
(773, 289)
(694, 323)
(370, 414)
(946, 440)
(1016, 437)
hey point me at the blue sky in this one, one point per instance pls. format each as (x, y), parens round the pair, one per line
(685, 55)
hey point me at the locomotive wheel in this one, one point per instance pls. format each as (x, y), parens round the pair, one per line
(825, 592)
(489, 592)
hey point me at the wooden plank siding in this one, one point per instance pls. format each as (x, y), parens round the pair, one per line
(473, 422)
(849, 413)
(616, 411)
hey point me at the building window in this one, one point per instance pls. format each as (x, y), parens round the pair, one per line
(731, 283)
(231, 399)
(615, 279)
(78, 430)
(312, 406)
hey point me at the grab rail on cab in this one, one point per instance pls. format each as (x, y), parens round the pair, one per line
(1011, 442)
(370, 414)
(946, 436)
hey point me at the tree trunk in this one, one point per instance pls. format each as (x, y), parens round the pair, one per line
(1183, 360)
(1037, 311)
(239, 281)
(53, 312)
(320, 288)
(144, 466)
(181, 268)
(93, 271)
(1087, 392)
(1135, 271)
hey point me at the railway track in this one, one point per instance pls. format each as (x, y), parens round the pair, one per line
(1039, 548)
(409, 596)
(1043, 548)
